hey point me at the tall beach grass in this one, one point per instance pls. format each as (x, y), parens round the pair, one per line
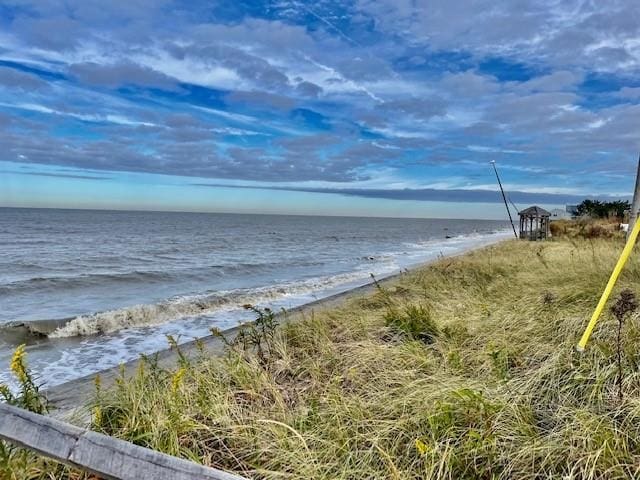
(462, 369)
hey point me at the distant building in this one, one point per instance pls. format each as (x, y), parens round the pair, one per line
(560, 214)
(572, 210)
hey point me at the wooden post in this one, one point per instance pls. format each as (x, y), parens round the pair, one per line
(106, 457)
(520, 233)
(531, 228)
(635, 206)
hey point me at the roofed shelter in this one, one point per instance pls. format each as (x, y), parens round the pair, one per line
(534, 223)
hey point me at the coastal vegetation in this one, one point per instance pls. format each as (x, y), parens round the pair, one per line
(585, 228)
(465, 368)
(598, 209)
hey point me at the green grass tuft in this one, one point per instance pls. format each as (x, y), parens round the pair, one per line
(414, 321)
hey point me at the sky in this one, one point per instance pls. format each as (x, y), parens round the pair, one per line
(358, 107)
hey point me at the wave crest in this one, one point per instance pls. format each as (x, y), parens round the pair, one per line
(146, 315)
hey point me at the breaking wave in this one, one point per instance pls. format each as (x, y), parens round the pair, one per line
(146, 315)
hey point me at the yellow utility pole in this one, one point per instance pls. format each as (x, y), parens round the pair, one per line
(631, 241)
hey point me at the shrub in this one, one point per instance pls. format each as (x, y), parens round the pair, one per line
(413, 321)
(598, 209)
(255, 337)
(586, 228)
(558, 228)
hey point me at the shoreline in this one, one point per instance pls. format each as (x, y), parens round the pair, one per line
(69, 398)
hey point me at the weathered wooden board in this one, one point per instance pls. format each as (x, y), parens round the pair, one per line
(106, 457)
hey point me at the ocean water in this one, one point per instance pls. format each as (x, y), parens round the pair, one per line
(87, 290)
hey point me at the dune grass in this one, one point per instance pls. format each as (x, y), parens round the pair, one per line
(587, 228)
(462, 369)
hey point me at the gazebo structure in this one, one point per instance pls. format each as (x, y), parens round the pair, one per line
(534, 223)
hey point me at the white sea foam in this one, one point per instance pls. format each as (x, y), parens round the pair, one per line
(194, 305)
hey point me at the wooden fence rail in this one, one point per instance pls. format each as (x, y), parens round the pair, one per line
(107, 457)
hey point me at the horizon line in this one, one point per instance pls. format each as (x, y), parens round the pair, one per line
(201, 212)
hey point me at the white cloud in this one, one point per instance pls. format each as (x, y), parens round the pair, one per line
(109, 118)
(485, 149)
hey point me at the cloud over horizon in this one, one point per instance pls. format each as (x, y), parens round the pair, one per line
(388, 99)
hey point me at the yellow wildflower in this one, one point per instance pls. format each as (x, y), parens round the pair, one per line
(422, 447)
(18, 366)
(120, 378)
(97, 416)
(176, 381)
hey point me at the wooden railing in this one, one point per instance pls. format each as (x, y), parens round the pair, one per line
(107, 457)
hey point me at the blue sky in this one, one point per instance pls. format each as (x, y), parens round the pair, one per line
(386, 107)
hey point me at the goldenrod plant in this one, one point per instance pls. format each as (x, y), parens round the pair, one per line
(17, 463)
(28, 394)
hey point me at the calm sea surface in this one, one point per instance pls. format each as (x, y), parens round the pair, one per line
(114, 284)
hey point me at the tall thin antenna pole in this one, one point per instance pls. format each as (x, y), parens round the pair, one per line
(504, 197)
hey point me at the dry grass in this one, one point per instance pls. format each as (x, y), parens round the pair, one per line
(464, 369)
(587, 228)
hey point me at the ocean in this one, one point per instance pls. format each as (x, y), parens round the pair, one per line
(87, 290)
